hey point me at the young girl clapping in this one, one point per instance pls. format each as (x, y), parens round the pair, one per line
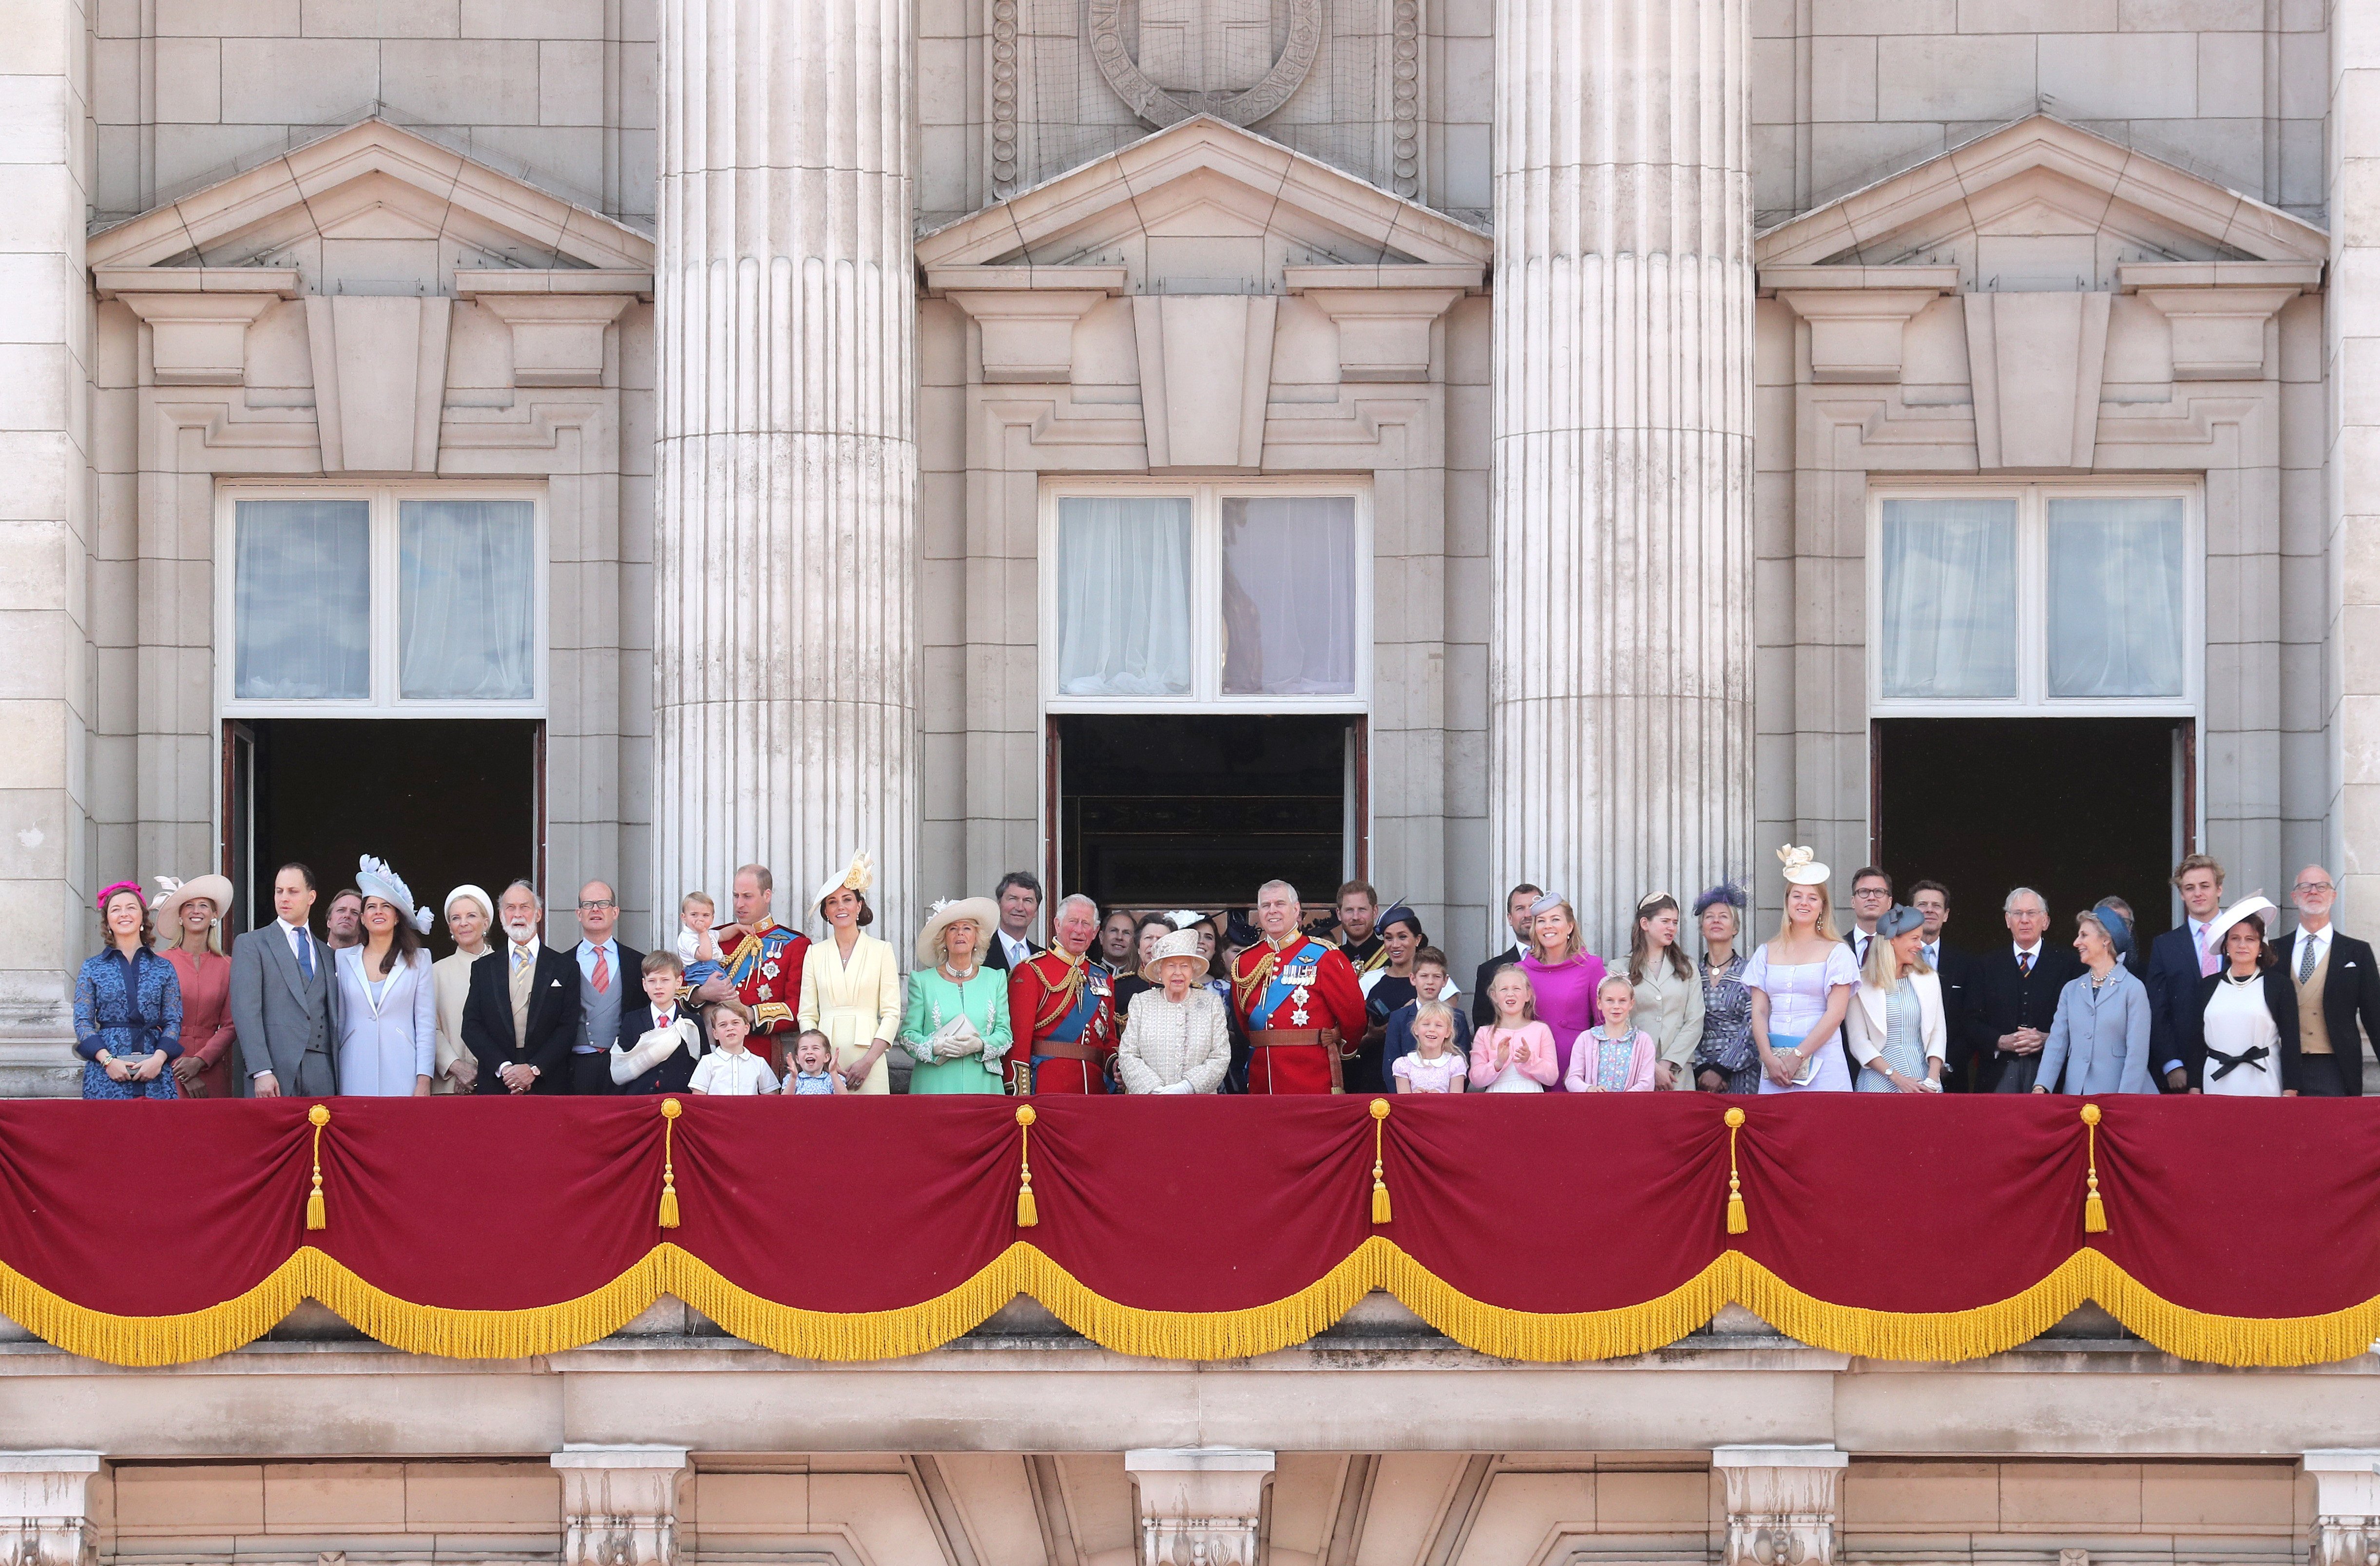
(1515, 1052)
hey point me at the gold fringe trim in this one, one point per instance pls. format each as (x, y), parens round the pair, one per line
(1024, 1269)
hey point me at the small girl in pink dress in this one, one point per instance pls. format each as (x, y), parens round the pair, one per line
(1614, 1056)
(1434, 1065)
(1515, 1052)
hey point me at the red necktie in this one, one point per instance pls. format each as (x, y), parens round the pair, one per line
(602, 974)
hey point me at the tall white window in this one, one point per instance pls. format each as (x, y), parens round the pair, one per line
(352, 601)
(2035, 598)
(1206, 597)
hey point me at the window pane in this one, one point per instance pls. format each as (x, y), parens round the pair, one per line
(1289, 596)
(301, 600)
(2115, 597)
(1949, 598)
(467, 599)
(1123, 596)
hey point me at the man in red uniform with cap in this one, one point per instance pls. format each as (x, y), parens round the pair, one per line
(1298, 998)
(1061, 1007)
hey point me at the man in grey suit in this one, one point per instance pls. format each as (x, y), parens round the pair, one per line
(284, 1005)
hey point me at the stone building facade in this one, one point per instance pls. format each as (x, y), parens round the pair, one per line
(1157, 443)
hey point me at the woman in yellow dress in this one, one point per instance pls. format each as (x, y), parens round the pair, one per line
(851, 982)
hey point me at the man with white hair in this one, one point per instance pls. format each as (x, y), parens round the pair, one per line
(2017, 997)
(1061, 1009)
(521, 1014)
(2338, 990)
(1298, 999)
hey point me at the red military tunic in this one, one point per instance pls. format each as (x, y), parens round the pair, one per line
(1292, 998)
(766, 969)
(1061, 1008)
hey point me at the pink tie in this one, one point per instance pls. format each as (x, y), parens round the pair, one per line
(2207, 961)
(603, 973)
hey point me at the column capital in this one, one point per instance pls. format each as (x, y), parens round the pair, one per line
(1199, 1506)
(1783, 1503)
(45, 1508)
(619, 1504)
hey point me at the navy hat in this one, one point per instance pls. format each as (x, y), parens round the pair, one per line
(2118, 929)
(1725, 892)
(1397, 913)
(1899, 921)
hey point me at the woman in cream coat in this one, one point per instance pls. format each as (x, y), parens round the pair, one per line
(1897, 1030)
(851, 982)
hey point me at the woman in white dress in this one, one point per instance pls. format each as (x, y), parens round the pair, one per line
(1175, 1038)
(2242, 1036)
(388, 1029)
(1800, 984)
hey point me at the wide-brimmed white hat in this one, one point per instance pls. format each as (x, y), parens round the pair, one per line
(1180, 943)
(374, 879)
(1802, 867)
(2222, 922)
(982, 912)
(166, 906)
(858, 876)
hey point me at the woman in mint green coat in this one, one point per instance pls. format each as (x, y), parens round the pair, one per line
(956, 1025)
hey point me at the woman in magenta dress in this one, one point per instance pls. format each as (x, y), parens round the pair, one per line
(1562, 977)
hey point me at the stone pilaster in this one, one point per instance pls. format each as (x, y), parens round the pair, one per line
(1619, 684)
(1199, 1506)
(2352, 352)
(785, 705)
(45, 1508)
(1783, 1504)
(619, 1504)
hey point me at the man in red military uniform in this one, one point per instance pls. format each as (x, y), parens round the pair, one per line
(763, 961)
(1298, 998)
(1061, 1009)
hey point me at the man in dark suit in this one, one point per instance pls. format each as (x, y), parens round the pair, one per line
(1019, 896)
(604, 988)
(2337, 983)
(521, 1014)
(1962, 981)
(662, 1066)
(1516, 914)
(285, 1002)
(2178, 960)
(2016, 997)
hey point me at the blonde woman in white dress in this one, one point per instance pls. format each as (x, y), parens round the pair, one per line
(851, 981)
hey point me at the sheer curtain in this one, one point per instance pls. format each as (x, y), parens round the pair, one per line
(1949, 597)
(2116, 596)
(1123, 596)
(301, 599)
(1289, 596)
(467, 599)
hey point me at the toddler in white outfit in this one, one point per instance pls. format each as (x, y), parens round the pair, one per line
(696, 946)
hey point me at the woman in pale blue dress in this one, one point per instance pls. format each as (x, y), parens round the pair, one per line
(388, 1029)
(1897, 1030)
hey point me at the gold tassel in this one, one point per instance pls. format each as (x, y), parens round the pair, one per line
(1027, 1215)
(671, 1109)
(1380, 1185)
(316, 1216)
(1737, 1223)
(2095, 1211)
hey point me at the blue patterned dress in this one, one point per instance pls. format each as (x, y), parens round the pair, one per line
(126, 1006)
(1726, 1046)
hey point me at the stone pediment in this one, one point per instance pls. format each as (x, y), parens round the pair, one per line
(1209, 204)
(428, 210)
(2040, 205)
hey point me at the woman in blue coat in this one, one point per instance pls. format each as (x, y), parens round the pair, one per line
(2099, 1039)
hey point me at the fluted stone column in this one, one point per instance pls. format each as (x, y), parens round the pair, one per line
(785, 708)
(1619, 679)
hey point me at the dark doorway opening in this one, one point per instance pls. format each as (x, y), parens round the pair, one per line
(2077, 809)
(1165, 812)
(443, 801)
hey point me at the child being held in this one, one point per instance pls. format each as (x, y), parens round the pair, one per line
(1614, 1056)
(730, 1069)
(698, 948)
(1433, 1066)
(813, 1070)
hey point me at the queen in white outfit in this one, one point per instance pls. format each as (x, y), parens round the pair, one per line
(1175, 1038)
(388, 1030)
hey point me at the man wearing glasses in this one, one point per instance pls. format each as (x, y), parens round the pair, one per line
(607, 972)
(2338, 989)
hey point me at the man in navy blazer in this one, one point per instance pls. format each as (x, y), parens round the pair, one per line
(1962, 985)
(2318, 956)
(2178, 960)
(520, 1012)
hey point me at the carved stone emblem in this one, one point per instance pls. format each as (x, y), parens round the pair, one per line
(1205, 56)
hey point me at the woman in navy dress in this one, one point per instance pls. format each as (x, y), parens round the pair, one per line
(128, 1007)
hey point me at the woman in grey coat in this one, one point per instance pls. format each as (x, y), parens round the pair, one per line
(2100, 1035)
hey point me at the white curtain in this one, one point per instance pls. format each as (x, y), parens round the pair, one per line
(467, 599)
(2116, 596)
(301, 600)
(1123, 596)
(1289, 596)
(1949, 598)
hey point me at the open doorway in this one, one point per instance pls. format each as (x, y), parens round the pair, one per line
(2078, 808)
(443, 801)
(1198, 811)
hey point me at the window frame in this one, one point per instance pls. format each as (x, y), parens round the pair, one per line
(1205, 496)
(2033, 698)
(383, 500)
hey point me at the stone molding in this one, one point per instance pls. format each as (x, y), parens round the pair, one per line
(380, 380)
(619, 1504)
(45, 1508)
(1159, 106)
(2346, 1506)
(2037, 361)
(2218, 311)
(1199, 1506)
(1857, 314)
(1205, 377)
(1384, 329)
(558, 318)
(197, 316)
(1783, 1503)
(1025, 316)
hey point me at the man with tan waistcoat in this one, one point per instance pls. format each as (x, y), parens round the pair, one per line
(2338, 989)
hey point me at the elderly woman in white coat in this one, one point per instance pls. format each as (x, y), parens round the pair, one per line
(388, 1026)
(1898, 1033)
(1175, 1038)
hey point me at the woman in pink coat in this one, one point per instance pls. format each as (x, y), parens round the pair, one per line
(1562, 977)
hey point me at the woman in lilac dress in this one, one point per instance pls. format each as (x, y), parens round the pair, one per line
(1561, 976)
(1801, 985)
